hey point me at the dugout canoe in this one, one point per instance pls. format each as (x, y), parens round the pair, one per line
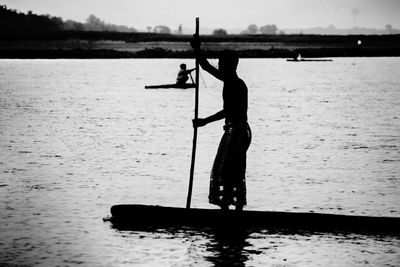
(308, 60)
(131, 216)
(169, 86)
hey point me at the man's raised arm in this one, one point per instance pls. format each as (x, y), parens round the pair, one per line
(205, 65)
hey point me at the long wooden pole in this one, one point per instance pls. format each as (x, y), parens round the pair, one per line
(196, 112)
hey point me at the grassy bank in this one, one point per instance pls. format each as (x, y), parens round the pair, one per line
(162, 53)
(148, 45)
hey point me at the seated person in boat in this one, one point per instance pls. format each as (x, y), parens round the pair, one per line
(183, 74)
(227, 181)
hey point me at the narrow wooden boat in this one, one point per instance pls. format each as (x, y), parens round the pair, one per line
(132, 216)
(169, 86)
(307, 60)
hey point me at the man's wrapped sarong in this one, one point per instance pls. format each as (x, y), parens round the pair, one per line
(228, 180)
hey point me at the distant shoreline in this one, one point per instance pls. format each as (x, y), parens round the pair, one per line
(162, 53)
(92, 45)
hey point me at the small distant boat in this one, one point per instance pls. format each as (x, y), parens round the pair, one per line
(300, 59)
(169, 86)
(136, 216)
(307, 60)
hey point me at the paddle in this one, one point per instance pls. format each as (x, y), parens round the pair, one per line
(196, 111)
(191, 78)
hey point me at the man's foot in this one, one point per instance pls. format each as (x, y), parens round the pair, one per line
(239, 207)
(224, 207)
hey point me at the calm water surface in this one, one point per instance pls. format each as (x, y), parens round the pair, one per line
(77, 136)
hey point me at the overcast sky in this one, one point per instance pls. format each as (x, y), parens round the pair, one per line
(286, 14)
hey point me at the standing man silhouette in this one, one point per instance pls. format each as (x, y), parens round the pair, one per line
(228, 181)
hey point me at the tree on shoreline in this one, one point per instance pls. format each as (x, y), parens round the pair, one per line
(162, 29)
(14, 22)
(269, 29)
(220, 32)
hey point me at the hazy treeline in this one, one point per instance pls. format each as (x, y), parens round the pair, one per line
(14, 23)
(329, 30)
(93, 23)
(17, 25)
(252, 29)
(332, 30)
(266, 29)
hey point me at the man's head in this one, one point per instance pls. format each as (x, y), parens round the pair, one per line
(183, 66)
(228, 61)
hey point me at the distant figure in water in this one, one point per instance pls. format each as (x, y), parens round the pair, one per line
(298, 58)
(228, 182)
(183, 74)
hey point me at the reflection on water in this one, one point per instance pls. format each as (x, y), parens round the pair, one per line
(78, 136)
(228, 247)
(184, 246)
(187, 246)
